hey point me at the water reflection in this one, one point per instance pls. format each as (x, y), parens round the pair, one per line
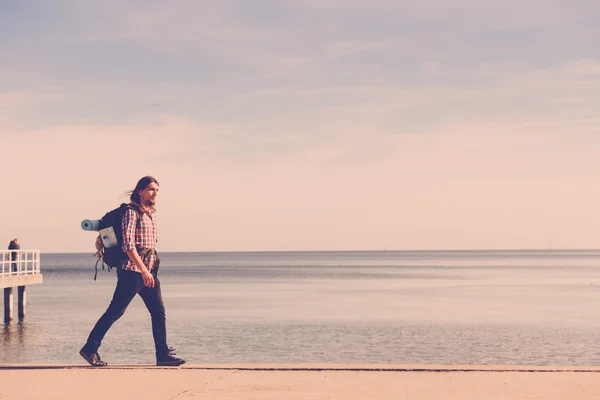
(13, 340)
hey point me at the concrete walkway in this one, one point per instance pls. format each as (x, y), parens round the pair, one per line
(334, 382)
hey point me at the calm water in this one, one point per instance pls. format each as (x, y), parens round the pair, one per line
(478, 307)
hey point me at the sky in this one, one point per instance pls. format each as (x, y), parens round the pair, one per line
(304, 124)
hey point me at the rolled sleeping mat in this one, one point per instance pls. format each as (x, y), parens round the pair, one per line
(90, 225)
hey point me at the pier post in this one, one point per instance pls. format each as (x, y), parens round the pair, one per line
(22, 300)
(8, 303)
(15, 283)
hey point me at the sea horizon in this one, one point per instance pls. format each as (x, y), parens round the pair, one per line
(507, 250)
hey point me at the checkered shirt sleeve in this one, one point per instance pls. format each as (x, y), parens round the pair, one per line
(144, 235)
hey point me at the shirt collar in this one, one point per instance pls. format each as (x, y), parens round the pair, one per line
(144, 209)
(148, 210)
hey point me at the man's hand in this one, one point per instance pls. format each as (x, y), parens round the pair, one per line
(148, 278)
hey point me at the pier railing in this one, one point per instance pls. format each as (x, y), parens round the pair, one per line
(19, 262)
(18, 268)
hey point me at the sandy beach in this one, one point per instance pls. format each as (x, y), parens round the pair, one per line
(333, 382)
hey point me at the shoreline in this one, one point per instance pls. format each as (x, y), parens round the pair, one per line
(296, 381)
(314, 367)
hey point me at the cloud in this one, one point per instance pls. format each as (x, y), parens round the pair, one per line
(25, 98)
(566, 100)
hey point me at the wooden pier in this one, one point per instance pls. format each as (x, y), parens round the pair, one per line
(18, 269)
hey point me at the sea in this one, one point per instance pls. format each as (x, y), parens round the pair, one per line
(336, 307)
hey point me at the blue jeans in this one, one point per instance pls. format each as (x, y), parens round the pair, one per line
(130, 283)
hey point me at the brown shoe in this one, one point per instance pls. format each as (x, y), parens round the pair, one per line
(92, 358)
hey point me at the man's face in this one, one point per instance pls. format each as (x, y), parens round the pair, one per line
(148, 195)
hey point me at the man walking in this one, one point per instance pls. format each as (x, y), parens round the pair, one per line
(138, 275)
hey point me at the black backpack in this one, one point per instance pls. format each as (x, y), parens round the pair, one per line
(109, 242)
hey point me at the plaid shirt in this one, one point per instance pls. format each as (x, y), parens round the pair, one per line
(145, 236)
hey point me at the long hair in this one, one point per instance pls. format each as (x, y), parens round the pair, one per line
(142, 184)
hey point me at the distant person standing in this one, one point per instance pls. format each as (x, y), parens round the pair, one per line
(138, 275)
(14, 256)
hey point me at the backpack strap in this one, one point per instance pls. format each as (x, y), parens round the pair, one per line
(135, 208)
(96, 267)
